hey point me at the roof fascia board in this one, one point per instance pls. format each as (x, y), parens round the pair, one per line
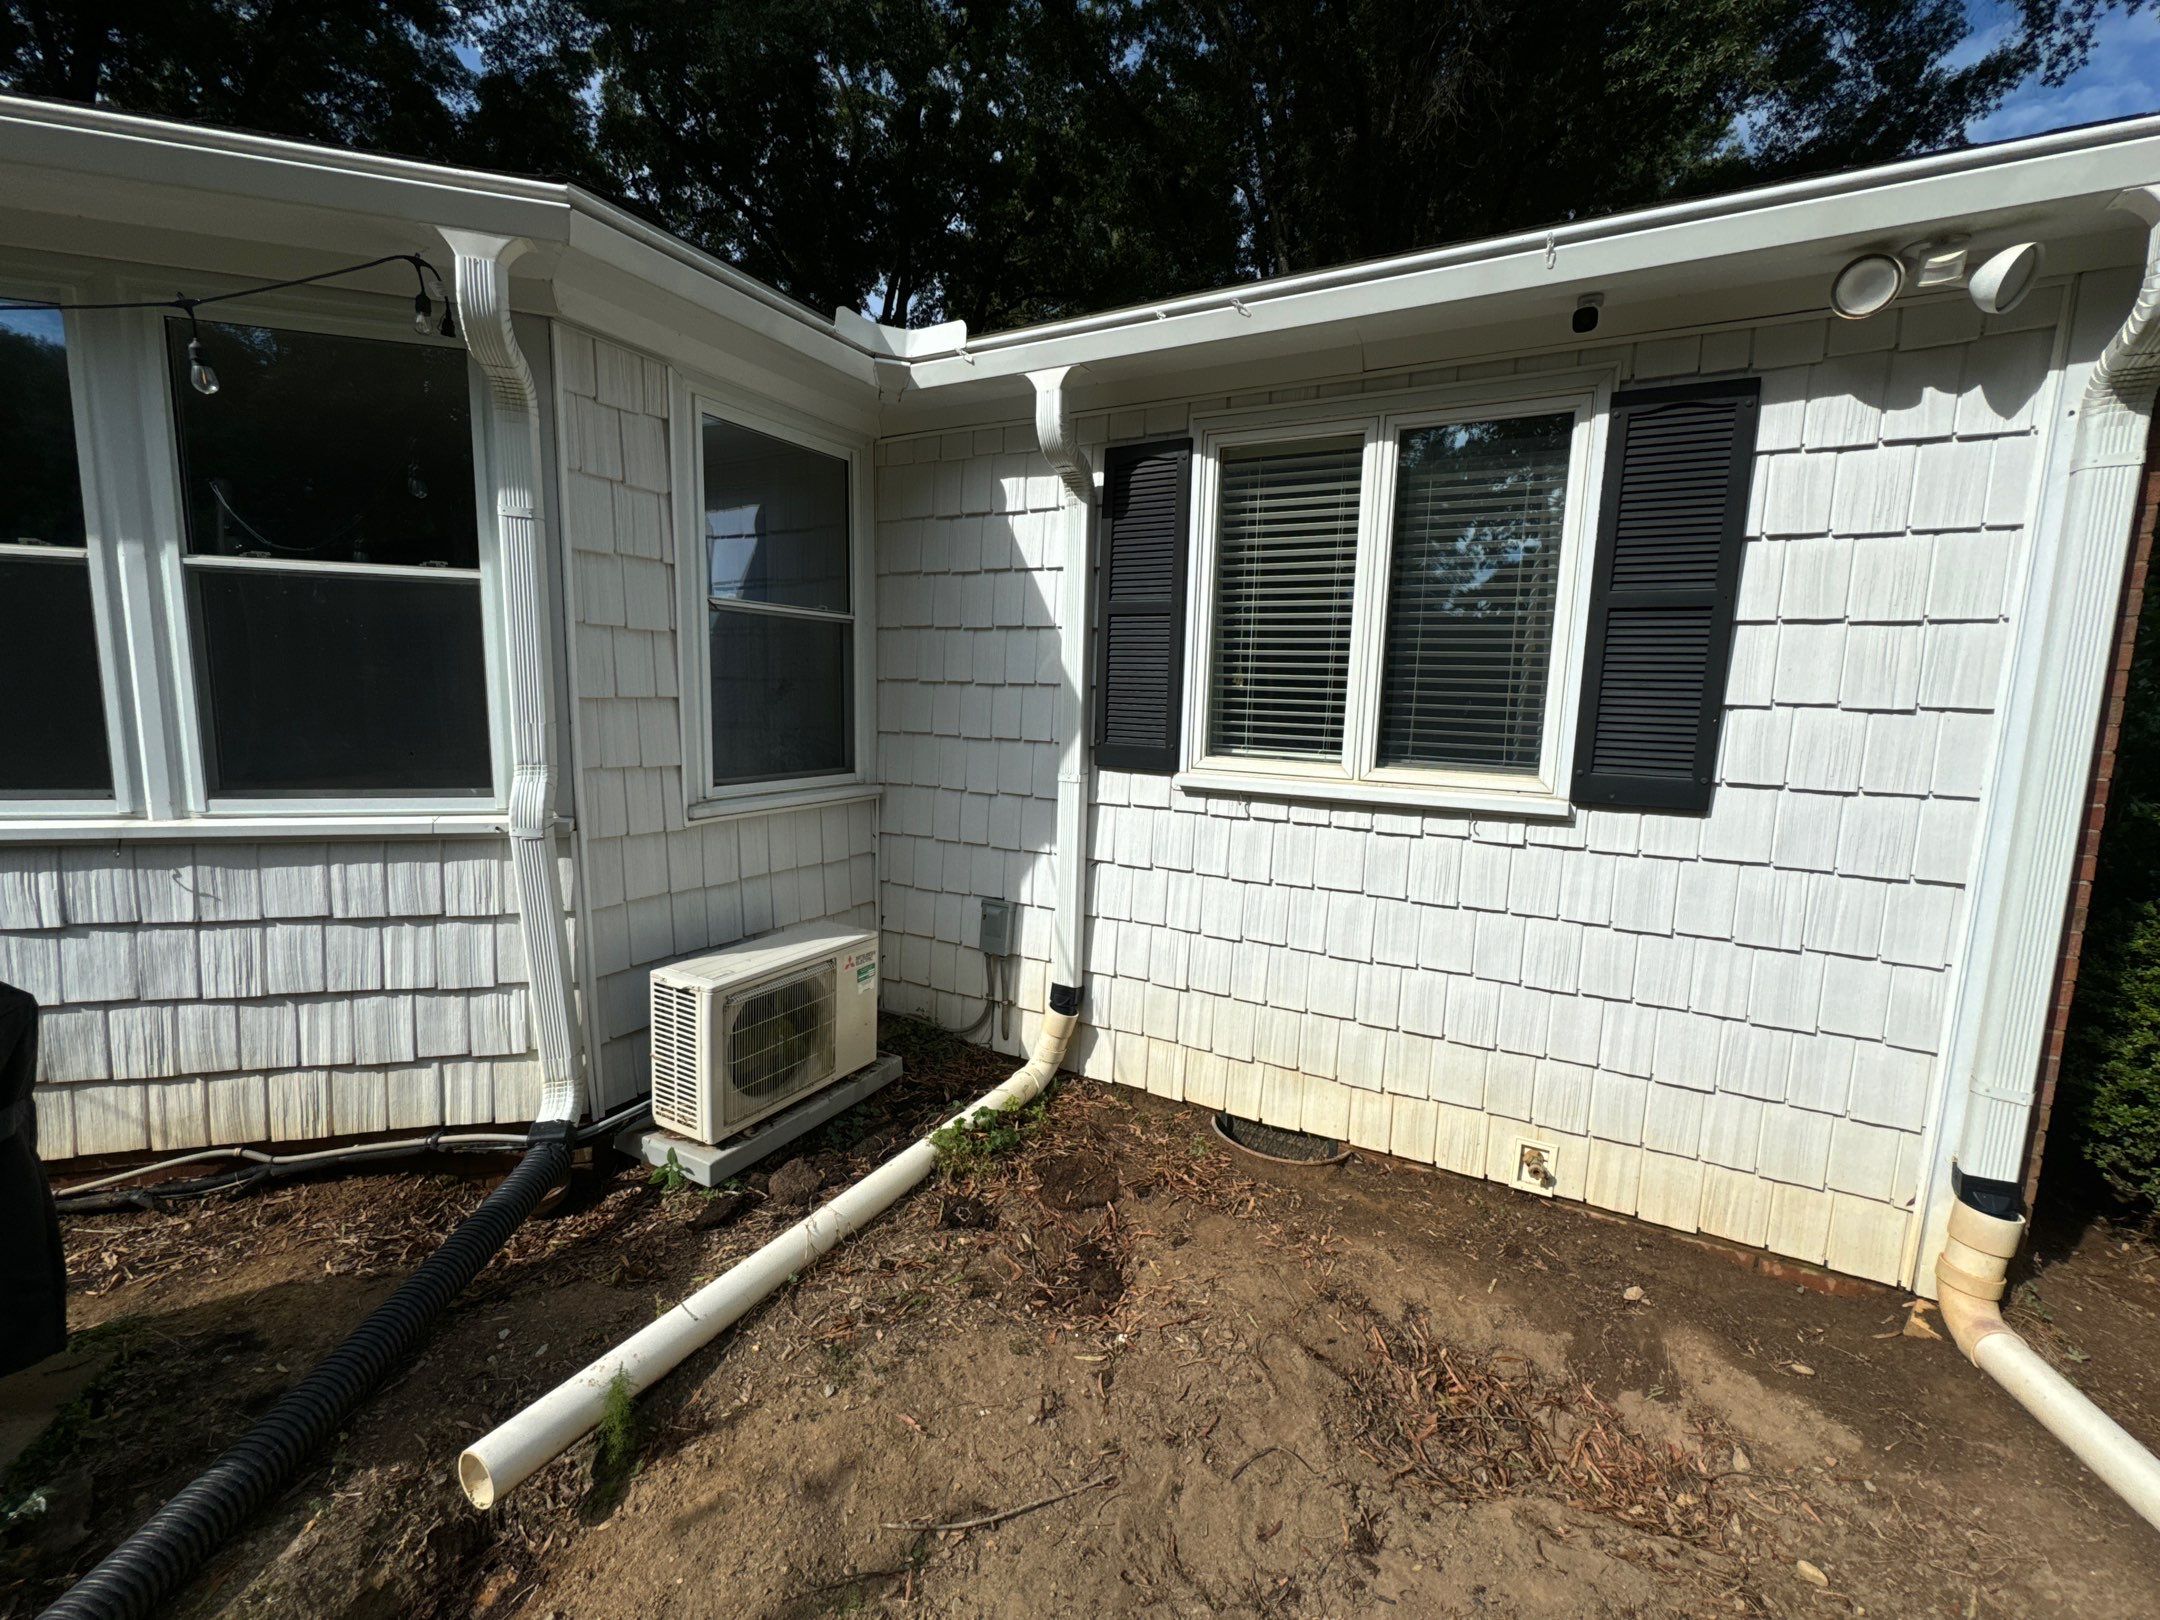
(282, 172)
(1898, 203)
(700, 341)
(673, 270)
(270, 171)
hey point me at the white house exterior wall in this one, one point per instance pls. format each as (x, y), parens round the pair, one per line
(223, 992)
(1725, 1023)
(654, 886)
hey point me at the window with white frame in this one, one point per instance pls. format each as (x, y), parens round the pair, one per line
(1392, 601)
(776, 554)
(332, 566)
(56, 746)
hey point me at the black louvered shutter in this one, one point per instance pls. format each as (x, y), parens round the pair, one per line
(1140, 599)
(1661, 607)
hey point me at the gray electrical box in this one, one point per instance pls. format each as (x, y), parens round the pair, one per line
(997, 926)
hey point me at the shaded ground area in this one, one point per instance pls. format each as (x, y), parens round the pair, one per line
(1114, 1369)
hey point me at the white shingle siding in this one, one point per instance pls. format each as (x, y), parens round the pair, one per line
(226, 992)
(1726, 1024)
(654, 886)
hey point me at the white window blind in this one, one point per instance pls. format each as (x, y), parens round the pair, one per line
(1286, 556)
(1479, 512)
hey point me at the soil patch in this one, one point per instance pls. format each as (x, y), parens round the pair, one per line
(1136, 1379)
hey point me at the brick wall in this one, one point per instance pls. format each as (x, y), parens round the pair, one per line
(1727, 1023)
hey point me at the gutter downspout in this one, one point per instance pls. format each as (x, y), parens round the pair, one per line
(483, 304)
(2046, 788)
(1060, 445)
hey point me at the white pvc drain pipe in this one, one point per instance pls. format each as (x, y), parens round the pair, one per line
(503, 1459)
(1972, 1275)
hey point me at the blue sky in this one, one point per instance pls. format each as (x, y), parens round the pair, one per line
(2122, 77)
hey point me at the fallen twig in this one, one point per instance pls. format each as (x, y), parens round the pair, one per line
(989, 1519)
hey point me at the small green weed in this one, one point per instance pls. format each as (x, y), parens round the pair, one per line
(620, 1431)
(671, 1178)
(970, 1146)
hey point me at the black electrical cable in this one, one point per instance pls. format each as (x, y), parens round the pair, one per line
(162, 1195)
(147, 1568)
(187, 305)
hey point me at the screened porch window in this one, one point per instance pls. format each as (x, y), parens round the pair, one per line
(56, 746)
(1390, 597)
(333, 566)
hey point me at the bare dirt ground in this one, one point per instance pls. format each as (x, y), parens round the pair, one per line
(1119, 1370)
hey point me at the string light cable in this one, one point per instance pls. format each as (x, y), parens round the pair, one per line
(202, 377)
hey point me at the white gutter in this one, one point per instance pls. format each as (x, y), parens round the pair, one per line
(482, 276)
(1891, 202)
(122, 146)
(1888, 202)
(1060, 446)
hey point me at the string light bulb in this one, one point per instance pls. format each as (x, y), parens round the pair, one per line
(432, 283)
(201, 377)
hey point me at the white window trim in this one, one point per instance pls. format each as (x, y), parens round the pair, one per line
(100, 559)
(129, 460)
(693, 399)
(1378, 418)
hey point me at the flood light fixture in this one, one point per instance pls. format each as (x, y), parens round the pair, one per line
(1937, 263)
(2000, 285)
(1867, 285)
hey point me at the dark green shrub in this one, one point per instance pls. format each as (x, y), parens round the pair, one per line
(2108, 1107)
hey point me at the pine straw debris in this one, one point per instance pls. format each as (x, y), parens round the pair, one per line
(1479, 1427)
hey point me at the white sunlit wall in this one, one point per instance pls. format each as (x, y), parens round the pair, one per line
(1727, 1023)
(655, 886)
(210, 993)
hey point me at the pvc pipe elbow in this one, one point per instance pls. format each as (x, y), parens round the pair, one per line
(1972, 1273)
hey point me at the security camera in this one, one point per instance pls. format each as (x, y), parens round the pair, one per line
(1586, 313)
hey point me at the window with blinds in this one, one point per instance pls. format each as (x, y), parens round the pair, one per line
(1393, 594)
(1285, 559)
(1473, 582)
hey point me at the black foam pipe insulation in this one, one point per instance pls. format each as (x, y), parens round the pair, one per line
(139, 1575)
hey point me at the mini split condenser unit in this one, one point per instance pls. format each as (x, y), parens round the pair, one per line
(740, 1033)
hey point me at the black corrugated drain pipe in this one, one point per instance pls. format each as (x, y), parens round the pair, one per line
(147, 1568)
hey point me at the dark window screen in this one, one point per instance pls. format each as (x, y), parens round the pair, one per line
(334, 682)
(52, 740)
(782, 696)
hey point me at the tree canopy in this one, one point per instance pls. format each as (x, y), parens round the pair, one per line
(1006, 162)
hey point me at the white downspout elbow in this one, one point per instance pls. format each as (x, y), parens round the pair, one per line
(482, 282)
(1971, 1275)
